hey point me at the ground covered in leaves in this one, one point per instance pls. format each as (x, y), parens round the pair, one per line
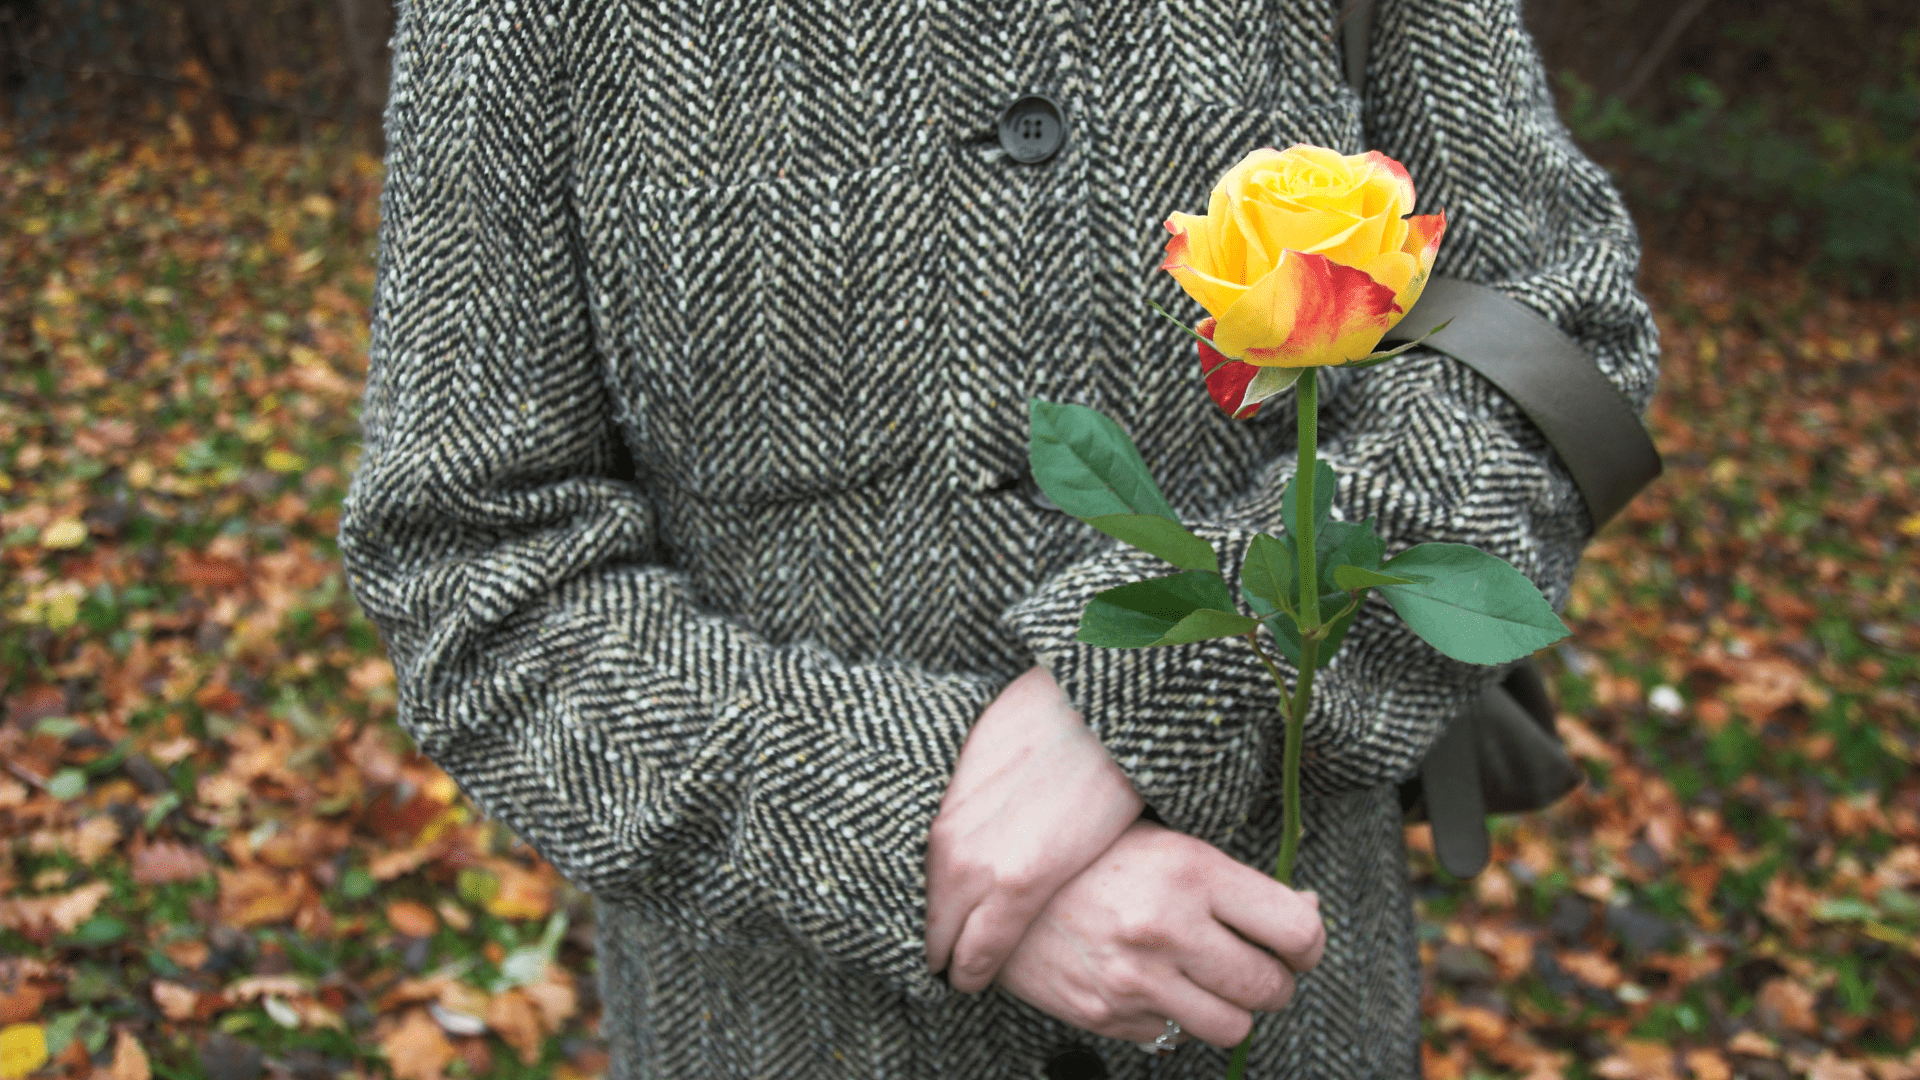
(219, 858)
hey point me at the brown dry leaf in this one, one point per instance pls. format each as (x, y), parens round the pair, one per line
(57, 914)
(1707, 1064)
(20, 996)
(412, 919)
(259, 986)
(514, 1018)
(1785, 1003)
(176, 1002)
(1830, 1066)
(1637, 1059)
(1763, 687)
(392, 864)
(1886, 1068)
(129, 1058)
(1511, 949)
(254, 897)
(93, 838)
(1591, 968)
(416, 1048)
(164, 862)
(555, 997)
(1495, 888)
(308, 842)
(1788, 903)
(414, 991)
(523, 894)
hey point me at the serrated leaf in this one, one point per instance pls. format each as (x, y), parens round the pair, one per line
(1351, 577)
(1161, 537)
(1088, 466)
(1474, 607)
(1158, 612)
(1325, 485)
(1268, 572)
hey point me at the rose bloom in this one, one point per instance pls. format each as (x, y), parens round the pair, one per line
(1305, 258)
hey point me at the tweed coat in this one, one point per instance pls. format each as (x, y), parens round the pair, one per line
(693, 509)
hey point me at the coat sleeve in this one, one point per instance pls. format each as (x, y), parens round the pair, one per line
(546, 659)
(1422, 444)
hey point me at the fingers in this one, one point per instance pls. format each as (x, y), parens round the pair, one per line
(1270, 914)
(990, 934)
(1203, 1015)
(1224, 964)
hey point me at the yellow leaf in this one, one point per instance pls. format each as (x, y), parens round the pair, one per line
(63, 534)
(285, 461)
(1911, 526)
(23, 1048)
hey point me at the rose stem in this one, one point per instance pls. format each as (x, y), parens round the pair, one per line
(1305, 542)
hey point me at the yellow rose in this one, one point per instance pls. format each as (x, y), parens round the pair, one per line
(1305, 257)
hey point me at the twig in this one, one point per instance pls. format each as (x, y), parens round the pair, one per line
(1669, 36)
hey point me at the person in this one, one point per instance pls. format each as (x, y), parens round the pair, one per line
(693, 510)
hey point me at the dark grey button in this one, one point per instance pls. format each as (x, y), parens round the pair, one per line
(1077, 1063)
(1033, 129)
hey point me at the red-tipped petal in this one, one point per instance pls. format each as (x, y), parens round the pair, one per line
(1310, 312)
(1226, 379)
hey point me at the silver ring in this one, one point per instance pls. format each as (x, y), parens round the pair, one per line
(1163, 1043)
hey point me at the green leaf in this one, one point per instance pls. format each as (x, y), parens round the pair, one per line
(99, 930)
(1351, 577)
(1325, 485)
(1268, 572)
(1088, 466)
(1194, 606)
(1473, 607)
(1162, 537)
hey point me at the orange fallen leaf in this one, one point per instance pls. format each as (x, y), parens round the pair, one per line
(555, 997)
(164, 863)
(1591, 968)
(129, 1058)
(523, 894)
(1708, 1065)
(1638, 1059)
(255, 896)
(57, 914)
(416, 1048)
(176, 1002)
(513, 1017)
(1785, 1003)
(412, 919)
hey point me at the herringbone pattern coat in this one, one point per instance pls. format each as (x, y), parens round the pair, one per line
(692, 504)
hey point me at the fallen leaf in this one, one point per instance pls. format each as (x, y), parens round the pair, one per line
(416, 1048)
(1638, 1060)
(58, 914)
(1763, 687)
(129, 1058)
(1785, 1003)
(513, 1017)
(254, 897)
(1830, 1066)
(1591, 968)
(255, 987)
(555, 997)
(176, 1002)
(164, 862)
(64, 534)
(20, 995)
(1707, 1064)
(23, 1048)
(523, 894)
(412, 919)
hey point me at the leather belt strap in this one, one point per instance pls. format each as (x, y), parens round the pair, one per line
(1553, 381)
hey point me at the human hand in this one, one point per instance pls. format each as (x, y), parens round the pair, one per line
(1034, 799)
(1147, 934)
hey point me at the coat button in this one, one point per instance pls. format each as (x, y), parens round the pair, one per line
(1076, 1063)
(1033, 129)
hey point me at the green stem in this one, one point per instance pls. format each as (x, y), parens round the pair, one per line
(1311, 634)
(1304, 541)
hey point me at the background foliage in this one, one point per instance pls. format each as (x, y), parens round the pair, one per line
(219, 858)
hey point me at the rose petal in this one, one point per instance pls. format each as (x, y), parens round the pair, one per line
(1397, 174)
(1423, 243)
(1310, 312)
(1192, 265)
